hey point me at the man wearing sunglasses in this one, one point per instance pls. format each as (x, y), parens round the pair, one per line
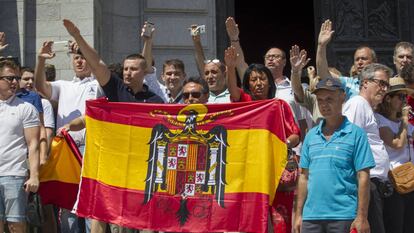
(19, 138)
(360, 111)
(195, 91)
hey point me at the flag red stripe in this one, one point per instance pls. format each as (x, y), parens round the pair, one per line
(58, 193)
(126, 208)
(73, 147)
(245, 115)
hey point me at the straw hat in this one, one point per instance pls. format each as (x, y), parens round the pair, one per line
(398, 84)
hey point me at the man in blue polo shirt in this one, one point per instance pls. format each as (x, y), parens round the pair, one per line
(333, 189)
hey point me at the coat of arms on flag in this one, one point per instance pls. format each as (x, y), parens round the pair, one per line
(187, 163)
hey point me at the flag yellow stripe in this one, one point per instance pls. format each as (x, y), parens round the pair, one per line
(62, 165)
(121, 160)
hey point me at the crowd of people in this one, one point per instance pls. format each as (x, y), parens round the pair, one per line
(348, 131)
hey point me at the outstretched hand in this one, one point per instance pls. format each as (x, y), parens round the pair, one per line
(45, 51)
(71, 27)
(232, 29)
(3, 44)
(325, 35)
(298, 58)
(230, 57)
(145, 28)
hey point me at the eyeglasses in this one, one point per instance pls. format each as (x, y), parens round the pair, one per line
(186, 95)
(273, 56)
(401, 96)
(212, 60)
(10, 78)
(381, 83)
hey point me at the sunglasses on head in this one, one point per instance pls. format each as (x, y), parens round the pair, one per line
(212, 60)
(186, 95)
(10, 78)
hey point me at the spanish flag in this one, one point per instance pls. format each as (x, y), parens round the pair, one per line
(60, 176)
(197, 168)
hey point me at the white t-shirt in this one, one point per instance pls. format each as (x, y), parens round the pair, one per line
(153, 85)
(72, 96)
(15, 116)
(359, 111)
(397, 156)
(48, 115)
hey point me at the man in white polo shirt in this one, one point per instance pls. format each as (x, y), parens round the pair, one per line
(71, 97)
(19, 138)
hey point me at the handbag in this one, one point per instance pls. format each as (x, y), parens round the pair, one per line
(35, 214)
(402, 177)
(289, 177)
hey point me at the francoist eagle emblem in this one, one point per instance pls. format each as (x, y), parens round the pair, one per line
(187, 162)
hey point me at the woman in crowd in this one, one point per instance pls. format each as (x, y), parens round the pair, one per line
(397, 132)
(258, 84)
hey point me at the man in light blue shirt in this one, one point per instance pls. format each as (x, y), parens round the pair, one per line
(333, 189)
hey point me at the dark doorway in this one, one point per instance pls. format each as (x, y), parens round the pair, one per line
(270, 23)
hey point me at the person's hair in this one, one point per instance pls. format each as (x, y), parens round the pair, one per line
(259, 68)
(26, 69)
(404, 45)
(407, 73)
(217, 62)
(385, 107)
(368, 72)
(371, 50)
(8, 64)
(137, 56)
(176, 63)
(50, 72)
(274, 47)
(116, 68)
(198, 80)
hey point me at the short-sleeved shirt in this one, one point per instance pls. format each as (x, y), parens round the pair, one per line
(351, 86)
(116, 91)
(71, 97)
(48, 114)
(153, 85)
(31, 97)
(221, 98)
(359, 111)
(401, 155)
(310, 102)
(284, 91)
(333, 166)
(15, 115)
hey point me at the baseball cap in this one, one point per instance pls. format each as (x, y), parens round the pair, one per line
(330, 84)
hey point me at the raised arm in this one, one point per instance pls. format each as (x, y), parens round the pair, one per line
(42, 86)
(98, 67)
(298, 60)
(198, 50)
(3, 44)
(325, 35)
(233, 33)
(230, 58)
(147, 48)
(360, 223)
